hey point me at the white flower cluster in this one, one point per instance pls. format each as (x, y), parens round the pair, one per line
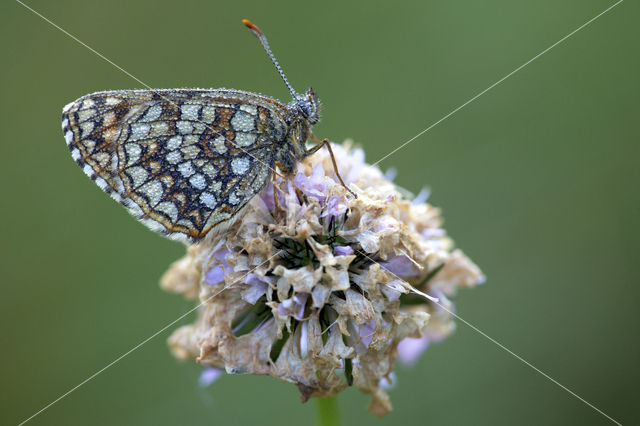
(321, 289)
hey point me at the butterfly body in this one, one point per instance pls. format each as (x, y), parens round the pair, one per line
(186, 162)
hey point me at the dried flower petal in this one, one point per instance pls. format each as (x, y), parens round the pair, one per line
(320, 289)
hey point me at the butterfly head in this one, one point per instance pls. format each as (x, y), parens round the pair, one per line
(309, 105)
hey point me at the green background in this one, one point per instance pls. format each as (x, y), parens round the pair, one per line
(538, 179)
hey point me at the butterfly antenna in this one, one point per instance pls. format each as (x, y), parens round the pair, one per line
(263, 40)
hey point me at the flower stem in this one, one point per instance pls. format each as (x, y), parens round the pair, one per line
(328, 411)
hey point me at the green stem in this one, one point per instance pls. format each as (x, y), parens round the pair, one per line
(328, 411)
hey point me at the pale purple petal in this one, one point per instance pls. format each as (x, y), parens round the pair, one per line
(291, 194)
(366, 332)
(221, 255)
(255, 279)
(257, 287)
(299, 300)
(357, 156)
(354, 171)
(284, 307)
(385, 222)
(410, 349)
(215, 275)
(314, 186)
(391, 174)
(430, 233)
(293, 306)
(401, 266)
(343, 250)
(422, 197)
(392, 290)
(335, 206)
(319, 295)
(209, 375)
(267, 196)
(389, 382)
(304, 342)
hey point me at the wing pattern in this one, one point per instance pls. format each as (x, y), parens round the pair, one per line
(184, 162)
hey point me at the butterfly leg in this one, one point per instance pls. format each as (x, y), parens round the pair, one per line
(325, 142)
(277, 207)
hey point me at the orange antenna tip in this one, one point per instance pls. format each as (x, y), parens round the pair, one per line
(263, 41)
(251, 26)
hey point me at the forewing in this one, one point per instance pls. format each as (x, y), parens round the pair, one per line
(184, 162)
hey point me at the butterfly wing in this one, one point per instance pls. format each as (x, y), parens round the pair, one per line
(184, 162)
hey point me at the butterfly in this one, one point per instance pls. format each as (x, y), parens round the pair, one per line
(186, 162)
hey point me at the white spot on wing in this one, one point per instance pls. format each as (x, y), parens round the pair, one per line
(68, 137)
(174, 142)
(153, 191)
(240, 165)
(208, 114)
(198, 181)
(88, 170)
(159, 128)
(138, 175)
(208, 200)
(184, 127)
(198, 127)
(109, 119)
(190, 111)
(251, 109)
(116, 196)
(114, 161)
(153, 113)
(89, 145)
(169, 209)
(234, 199)
(101, 183)
(174, 157)
(242, 122)
(85, 114)
(186, 169)
(245, 139)
(190, 152)
(190, 140)
(218, 144)
(86, 128)
(139, 131)
(218, 217)
(133, 151)
(111, 101)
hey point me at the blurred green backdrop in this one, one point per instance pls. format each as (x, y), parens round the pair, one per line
(538, 179)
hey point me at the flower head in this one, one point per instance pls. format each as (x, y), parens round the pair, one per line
(321, 289)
